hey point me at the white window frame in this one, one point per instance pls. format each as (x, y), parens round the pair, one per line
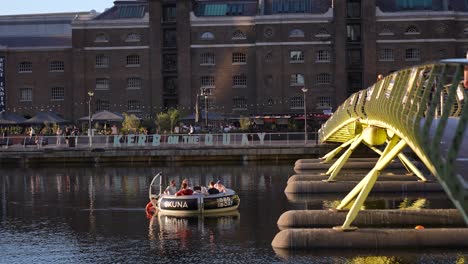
(133, 60)
(56, 66)
(207, 59)
(102, 105)
(412, 54)
(102, 61)
(101, 38)
(57, 94)
(134, 83)
(238, 35)
(133, 37)
(26, 95)
(324, 102)
(296, 33)
(296, 56)
(323, 56)
(296, 102)
(207, 36)
(239, 58)
(25, 67)
(323, 78)
(207, 81)
(239, 81)
(386, 54)
(133, 106)
(239, 103)
(102, 84)
(412, 30)
(297, 79)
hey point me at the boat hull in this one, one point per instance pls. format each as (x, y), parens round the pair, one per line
(197, 204)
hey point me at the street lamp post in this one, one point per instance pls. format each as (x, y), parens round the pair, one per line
(90, 94)
(204, 92)
(304, 90)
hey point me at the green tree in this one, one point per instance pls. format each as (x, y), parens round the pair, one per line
(244, 123)
(163, 122)
(174, 116)
(130, 124)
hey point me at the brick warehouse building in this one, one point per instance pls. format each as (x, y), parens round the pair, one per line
(248, 57)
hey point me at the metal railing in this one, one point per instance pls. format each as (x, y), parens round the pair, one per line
(158, 140)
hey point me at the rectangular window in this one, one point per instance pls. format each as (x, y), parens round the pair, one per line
(296, 56)
(353, 32)
(133, 61)
(207, 59)
(102, 61)
(412, 54)
(239, 81)
(239, 103)
(354, 82)
(209, 102)
(169, 38)
(354, 57)
(169, 14)
(134, 83)
(26, 95)
(324, 102)
(133, 106)
(353, 8)
(297, 79)
(57, 94)
(102, 84)
(207, 81)
(239, 58)
(169, 62)
(25, 67)
(386, 55)
(56, 66)
(102, 105)
(170, 86)
(323, 56)
(296, 102)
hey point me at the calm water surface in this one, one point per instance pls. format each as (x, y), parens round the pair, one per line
(96, 215)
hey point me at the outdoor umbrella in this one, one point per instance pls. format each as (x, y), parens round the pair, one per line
(42, 117)
(105, 115)
(10, 118)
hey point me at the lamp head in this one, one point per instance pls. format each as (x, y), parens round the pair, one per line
(304, 90)
(90, 93)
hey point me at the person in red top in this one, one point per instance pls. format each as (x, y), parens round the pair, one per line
(185, 190)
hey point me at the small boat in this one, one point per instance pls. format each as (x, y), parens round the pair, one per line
(188, 205)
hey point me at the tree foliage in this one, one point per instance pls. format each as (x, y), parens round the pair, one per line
(130, 124)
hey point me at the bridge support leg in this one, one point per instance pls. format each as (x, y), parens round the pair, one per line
(365, 186)
(410, 167)
(336, 167)
(330, 155)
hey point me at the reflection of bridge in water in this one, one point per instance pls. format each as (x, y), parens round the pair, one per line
(423, 108)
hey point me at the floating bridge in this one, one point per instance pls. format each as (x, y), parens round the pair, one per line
(423, 108)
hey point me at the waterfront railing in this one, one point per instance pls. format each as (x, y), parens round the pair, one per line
(159, 140)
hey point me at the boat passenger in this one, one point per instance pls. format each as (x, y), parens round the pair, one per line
(219, 185)
(185, 190)
(197, 190)
(171, 189)
(212, 189)
(187, 182)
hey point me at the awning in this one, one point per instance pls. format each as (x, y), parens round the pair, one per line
(11, 118)
(49, 117)
(104, 115)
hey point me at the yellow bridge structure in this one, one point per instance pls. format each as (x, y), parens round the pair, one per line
(423, 108)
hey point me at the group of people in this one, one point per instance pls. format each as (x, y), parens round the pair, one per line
(185, 189)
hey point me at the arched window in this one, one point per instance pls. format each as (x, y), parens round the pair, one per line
(207, 36)
(269, 57)
(386, 31)
(133, 37)
(296, 33)
(412, 30)
(238, 35)
(101, 37)
(322, 32)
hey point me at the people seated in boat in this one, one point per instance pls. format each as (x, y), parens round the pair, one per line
(184, 191)
(197, 190)
(187, 182)
(212, 189)
(171, 189)
(219, 185)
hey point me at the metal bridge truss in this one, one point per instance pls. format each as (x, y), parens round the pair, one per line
(423, 108)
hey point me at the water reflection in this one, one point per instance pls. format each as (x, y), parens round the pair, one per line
(96, 214)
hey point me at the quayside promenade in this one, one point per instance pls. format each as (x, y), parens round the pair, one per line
(159, 148)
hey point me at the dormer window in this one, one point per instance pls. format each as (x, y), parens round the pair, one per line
(207, 36)
(296, 33)
(101, 37)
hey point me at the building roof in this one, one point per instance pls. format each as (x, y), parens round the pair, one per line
(35, 41)
(422, 5)
(125, 10)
